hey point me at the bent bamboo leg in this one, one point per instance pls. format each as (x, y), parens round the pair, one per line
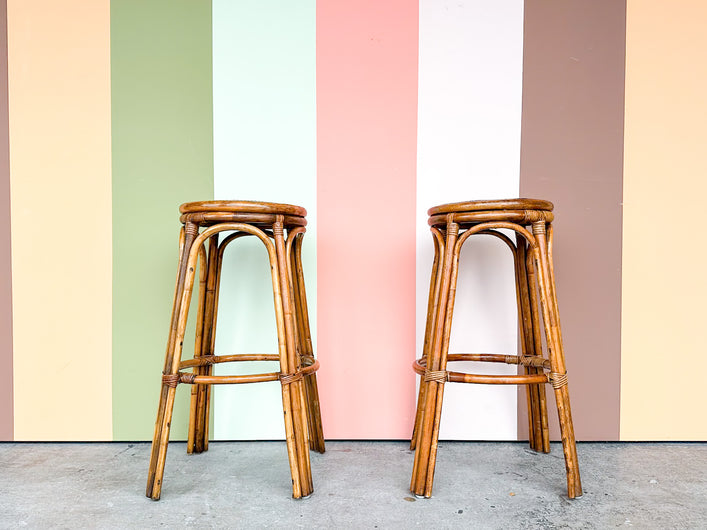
(311, 390)
(557, 361)
(543, 445)
(426, 449)
(182, 297)
(528, 332)
(193, 402)
(432, 299)
(292, 395)
(208, 327)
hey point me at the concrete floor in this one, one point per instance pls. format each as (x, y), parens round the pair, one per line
(357, 485)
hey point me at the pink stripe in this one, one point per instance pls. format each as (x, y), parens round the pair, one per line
(366, 156)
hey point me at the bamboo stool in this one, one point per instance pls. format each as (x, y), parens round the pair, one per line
(199, 242)
(452, 225)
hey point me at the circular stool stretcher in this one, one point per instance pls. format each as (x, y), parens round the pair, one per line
(538, 316)
(280, 227)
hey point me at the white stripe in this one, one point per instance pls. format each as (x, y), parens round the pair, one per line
(469, 117)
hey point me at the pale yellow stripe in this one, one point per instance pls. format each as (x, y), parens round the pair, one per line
(664, 354)
(60, 167)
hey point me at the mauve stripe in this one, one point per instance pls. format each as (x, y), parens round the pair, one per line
(6, 403)
(366, 145)
(572, 155)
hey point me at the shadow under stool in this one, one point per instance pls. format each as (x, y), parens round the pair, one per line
(280, 227)
(539, 325)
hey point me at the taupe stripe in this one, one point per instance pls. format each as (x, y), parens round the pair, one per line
(6, 418)
(572, 155)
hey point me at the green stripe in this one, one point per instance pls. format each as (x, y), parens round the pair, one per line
(162, 147)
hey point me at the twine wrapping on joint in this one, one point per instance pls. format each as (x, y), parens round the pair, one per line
(191, 229)
(286, 379)
(278, 226)
(557, 380)
(171, 380)
(441, 376)
(538, 226)
(207, 359)
(526, 360)
(452, 228)
(307, 360)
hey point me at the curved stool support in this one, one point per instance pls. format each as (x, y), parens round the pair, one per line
(452, 225)
(199, 243)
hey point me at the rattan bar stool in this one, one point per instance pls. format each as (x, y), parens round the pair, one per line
(452, 225)
(280, 227)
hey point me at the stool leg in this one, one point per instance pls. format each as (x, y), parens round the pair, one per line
(557, 360)
(538, 430)
(543, 444)
(304, 340)
(526, 337)
(185, 280)
(296, 429)
(426, 446)
(198, 344)
(432, 299)
(206, 327)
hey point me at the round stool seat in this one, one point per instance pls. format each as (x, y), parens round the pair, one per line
(504, 204)
(272, 208)
(206, 213)
(522, 211)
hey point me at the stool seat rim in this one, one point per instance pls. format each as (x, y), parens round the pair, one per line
(503, 204)
(243, 207)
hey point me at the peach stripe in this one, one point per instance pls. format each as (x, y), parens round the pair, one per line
(60, 171)
(366, 143)
(664, 289)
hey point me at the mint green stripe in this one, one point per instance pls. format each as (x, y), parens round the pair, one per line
(162, 146)
(264, 149)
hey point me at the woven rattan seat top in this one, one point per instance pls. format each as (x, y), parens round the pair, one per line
(247, 207)
(478, 206)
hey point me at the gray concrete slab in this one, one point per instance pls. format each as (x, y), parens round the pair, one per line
(357, 485)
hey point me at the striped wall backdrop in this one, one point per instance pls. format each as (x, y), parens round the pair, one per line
(367, 113)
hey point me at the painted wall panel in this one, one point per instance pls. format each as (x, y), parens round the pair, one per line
(366, 136)
(60, 167)
(162, 156)
(6, 391)
(572, 155)
(664, 189)
(469, 149)
(264, 149)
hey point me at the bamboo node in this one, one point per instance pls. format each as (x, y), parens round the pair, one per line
(171, 380)
(441, 376)
(286, 379)
(557, 380)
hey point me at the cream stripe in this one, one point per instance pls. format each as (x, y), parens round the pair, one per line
(59, 101)
(469, 117)
(663, 358)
